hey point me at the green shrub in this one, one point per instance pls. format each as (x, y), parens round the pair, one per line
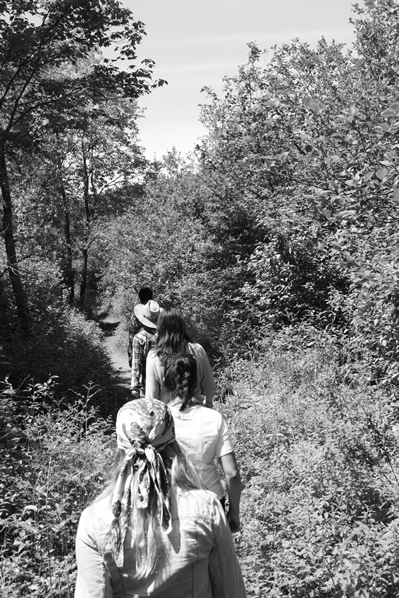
(318, 460)
(53, 459)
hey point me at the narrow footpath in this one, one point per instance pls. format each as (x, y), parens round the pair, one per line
(117, 354)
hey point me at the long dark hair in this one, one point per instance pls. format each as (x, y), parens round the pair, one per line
(181, 377)
(172, 333)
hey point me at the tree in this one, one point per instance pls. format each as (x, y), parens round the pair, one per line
(96, 166)
(42, 88)
(305, 144)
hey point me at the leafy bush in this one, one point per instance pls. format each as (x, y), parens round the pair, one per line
(319, 465)
(372, 308)
(296, 273)
(62, 342)
(53, 458)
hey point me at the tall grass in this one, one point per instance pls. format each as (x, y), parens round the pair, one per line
(318, 459)
(53, 458)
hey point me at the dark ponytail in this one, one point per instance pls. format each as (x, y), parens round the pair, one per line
(181, 377)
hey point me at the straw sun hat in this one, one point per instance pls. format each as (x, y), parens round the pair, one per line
(148, 314)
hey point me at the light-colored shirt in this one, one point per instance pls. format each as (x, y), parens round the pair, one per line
(203, 435)
(155, 373)
(197, 558)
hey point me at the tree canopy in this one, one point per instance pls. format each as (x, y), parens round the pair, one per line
(52, 68)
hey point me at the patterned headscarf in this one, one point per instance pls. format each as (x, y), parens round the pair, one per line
(143, 427)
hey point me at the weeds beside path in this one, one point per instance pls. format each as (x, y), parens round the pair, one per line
(319, 463)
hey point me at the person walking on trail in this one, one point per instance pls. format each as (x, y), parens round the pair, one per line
(203, 435)
(143, 341)
(145, 295)
(172, 338)
(152, 531)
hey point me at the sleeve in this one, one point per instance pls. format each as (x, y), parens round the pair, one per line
(152, 386)
(224, 445)
(224, 568)
(136, 362)
(93, 580)
(206, 380)
(131, 335)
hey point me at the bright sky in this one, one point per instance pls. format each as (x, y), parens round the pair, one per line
(196, 43)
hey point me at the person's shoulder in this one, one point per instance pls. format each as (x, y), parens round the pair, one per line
(98, 513)
(195, 345)
(211, 415)
(152, 354)
(197, 503)
(197, 348)
(151, 334)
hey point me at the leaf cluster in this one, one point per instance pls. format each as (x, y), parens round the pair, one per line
(54, 458)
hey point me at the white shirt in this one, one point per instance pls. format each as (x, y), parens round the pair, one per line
(197, 558)
(203, 435)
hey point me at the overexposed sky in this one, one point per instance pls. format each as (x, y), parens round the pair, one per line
(196, 43)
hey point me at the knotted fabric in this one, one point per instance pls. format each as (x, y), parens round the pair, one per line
(143, 427)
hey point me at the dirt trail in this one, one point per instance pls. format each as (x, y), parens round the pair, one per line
(117, 354)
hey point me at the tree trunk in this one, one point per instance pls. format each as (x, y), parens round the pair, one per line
(83, 284)
(85, 250)
(69, 274)
(8, 232)
(3, 308)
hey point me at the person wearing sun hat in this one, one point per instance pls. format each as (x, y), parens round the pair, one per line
(153, 531)
(143, 341)
(145, 294)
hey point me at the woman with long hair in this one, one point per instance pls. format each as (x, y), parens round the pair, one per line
(153, 532)
(202, 434)
(172, 338)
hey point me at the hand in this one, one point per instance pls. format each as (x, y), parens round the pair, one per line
(233, 521)
(135, 394)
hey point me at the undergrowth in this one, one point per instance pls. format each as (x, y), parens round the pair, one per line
(53, 459)
(318, 459)
(318, 455)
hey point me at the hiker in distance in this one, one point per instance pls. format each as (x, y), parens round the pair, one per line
(144, 339)
(152, 531)
(145, 294)
(172, 338)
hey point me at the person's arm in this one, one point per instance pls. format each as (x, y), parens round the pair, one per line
(92, 580)
(224, 569)
(135, 383)
(130, 344)
(206, 381)
(152, 386)
(233, 481)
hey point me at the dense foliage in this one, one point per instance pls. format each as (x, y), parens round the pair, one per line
(319, 460)
(278, 240)
(53, 461)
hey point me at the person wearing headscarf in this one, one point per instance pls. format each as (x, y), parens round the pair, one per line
(202, 434)
(172, 338)
(153, 532)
